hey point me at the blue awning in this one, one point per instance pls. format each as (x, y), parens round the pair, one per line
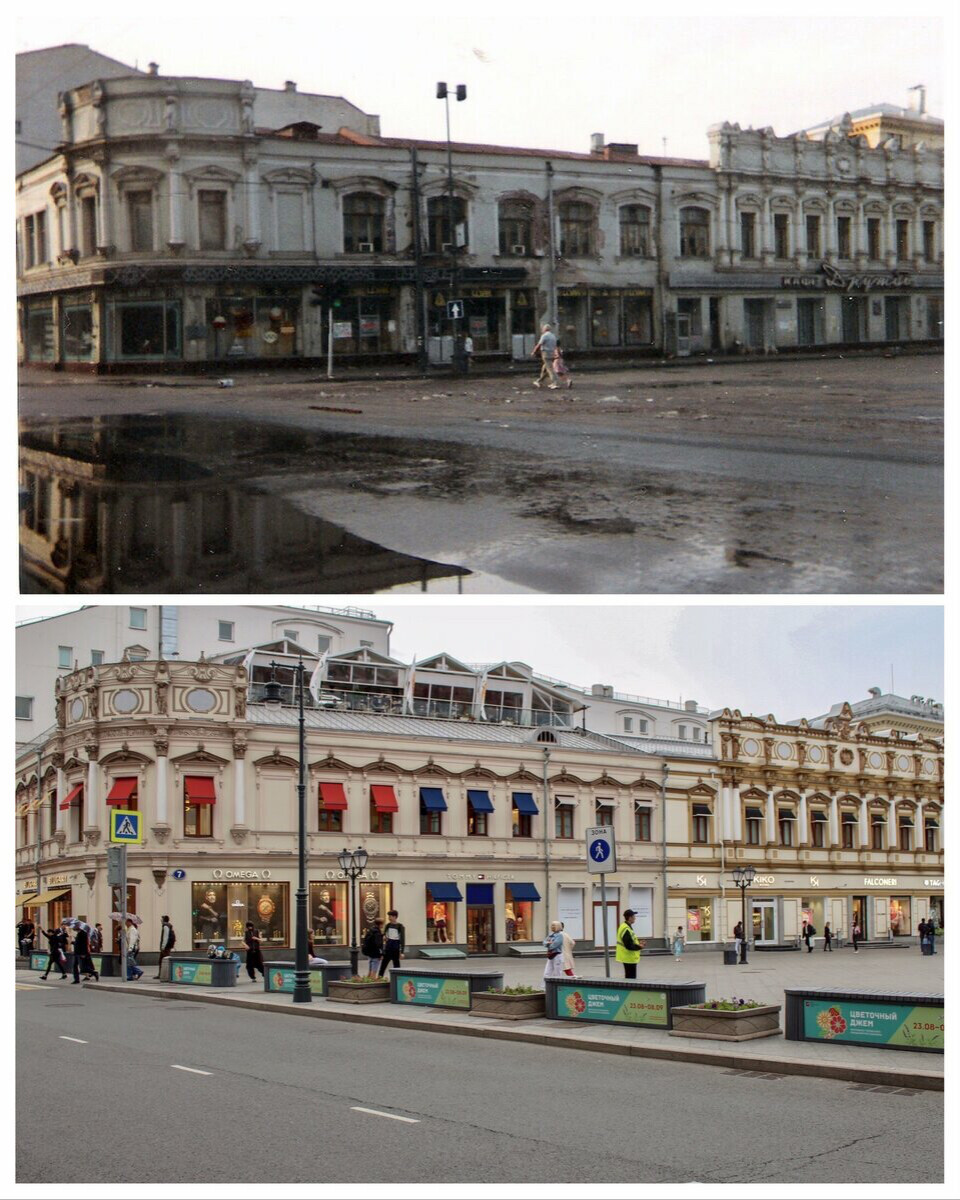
(523, 891)
(432, 799)
(479, 801)
(479, 893)
(524, 802)
(444, 891)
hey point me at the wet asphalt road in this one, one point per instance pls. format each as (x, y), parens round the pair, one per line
(768, 477)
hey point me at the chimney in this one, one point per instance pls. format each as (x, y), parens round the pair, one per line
(596, 143)
(153, 68)
(690, 705)
(918, 101)
(875, 692)
(289, 86)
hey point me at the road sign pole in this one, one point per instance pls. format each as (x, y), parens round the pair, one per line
(122, 909)
(330, 346)
(603, 907)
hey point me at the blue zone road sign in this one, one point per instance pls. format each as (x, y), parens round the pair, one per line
(599, 850)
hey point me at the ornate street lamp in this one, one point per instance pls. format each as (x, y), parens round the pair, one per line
(353, 864)
(743, 877)
(459, 358)
(301, 986)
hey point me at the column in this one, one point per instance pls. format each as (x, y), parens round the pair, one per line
(771, 821)
(919, 832)
(91, 800)
(859, 238)
(239, 798)
(834, 821)
(175, 239)
(105, 209)
(61, 794)
(802, 817)
(766, 231)
(162, 799)
(724, 813)
(830, 231)
(892, 842)
(731, 224)
(252, 189)
(736, 809)
(864, 834)
(891, 246)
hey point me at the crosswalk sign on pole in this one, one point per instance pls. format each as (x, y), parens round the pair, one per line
(126, 827)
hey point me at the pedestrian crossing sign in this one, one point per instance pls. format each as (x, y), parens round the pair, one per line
(125, 826)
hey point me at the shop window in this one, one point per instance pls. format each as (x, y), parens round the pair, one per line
(699, 920)
(65, 656)
(516, 227)
(140, 218)
(905, 835)
(848, 834)
(785, 820)
(642, 823)
(813, 235)
(605, 318)
(903, 241)
(605, 812)
(754, 825)
(518, 912)
(577, 236)
(76, 324)
(748, 235)
(694, 233)
(693, 309)
(637, 319)
(781, 235)
(563, 819)
(818, 827)
(212, 217)
(843, 237)
(930, 831)
(439, 235)
(900, 916)
(329, 912)
(373, 900)
(150, 330)
(441, 914)
(813, 912)
(930, 241)
(934, 317)
(876, 835)
(220, 912)
(41, 334)
(701, 823)
(873, 238)
(24, 708)
(635, 230)
(362, 223)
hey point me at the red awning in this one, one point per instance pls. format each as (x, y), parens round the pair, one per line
(122, 790)
(333, 797)
(383, 797)
(72, 796)
(200, 789)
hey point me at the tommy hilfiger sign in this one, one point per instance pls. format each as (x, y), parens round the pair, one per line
(832, 278)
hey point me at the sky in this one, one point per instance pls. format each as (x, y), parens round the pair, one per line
(789, 660)
(540, 76)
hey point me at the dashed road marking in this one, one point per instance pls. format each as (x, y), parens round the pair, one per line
(192, 1070)
(29, 987)
(375, 1112)
(79, 1041)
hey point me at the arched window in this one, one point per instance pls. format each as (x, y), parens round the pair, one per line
(577, 221)
(694, 233)
(635, 230)
(439, 235)
(516, 227)
(362, 223)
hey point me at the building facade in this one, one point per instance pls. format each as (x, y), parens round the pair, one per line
(185, 221)
(473, 808)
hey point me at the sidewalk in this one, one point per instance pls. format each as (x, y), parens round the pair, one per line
(862, 1065)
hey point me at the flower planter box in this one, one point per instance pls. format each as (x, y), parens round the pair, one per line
(726, 1025)
(346, 992)
(509, 1008)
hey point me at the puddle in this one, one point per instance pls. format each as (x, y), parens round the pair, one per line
(171, 504)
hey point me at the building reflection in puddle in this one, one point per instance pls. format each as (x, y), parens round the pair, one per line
(160, 504)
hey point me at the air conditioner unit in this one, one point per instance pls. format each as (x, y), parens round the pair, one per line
(519, 251)
(446, 247)
(365, 247)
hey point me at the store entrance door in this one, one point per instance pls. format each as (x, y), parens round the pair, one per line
(480, 936)
(860, 909)
(764, 922)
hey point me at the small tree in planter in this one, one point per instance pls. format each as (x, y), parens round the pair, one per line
(359, 989)
(732, 1020)
(510, 1004)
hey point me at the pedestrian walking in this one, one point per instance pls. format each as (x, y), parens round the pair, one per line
(96, 939)
(738, 936)
(925, 930)
(168, 939)
(394, 942)
(569, 967)
(133, 949)
(561, 369)
(678, 944)
(628, 946)
(467, 353)
(808, 933)
(856, 936)
(251, 939)
(546, 347)
(827, 939)
(932, 930)
(81, 956)
(554, 947)
(57, 937)
(372, 946)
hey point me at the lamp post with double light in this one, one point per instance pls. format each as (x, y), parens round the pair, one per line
(353, 863)
(743, 877)
(459, 358)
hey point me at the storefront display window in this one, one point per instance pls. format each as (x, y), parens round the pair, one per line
(253, 326)
(222, 910)
(441, 911)
(699, 921)
(522, 312)
(518, 917)
(329, 912)
(366, 322)
(147, 330)
(812, 912)
(604, 318)
(900, 916)
(40, 335)
(936, 911)
(637, 319)
(77, 332)
(373, 900)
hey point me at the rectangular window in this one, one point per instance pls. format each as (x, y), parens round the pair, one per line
(754, 828)
(682, 732)
(701, 824)
(96, 658)
(290, 225)
(138, 618)
(930, 241)
(699, 920)
(88, 225)
(876, 840)
(198, 811)
(213, 220)
(628, 724)
(843, 237)
(65, 656)
(563, 820)
(817, 829)
(847, 829)
(220, 912)
(441, 919)
(873, 238)
(900, 916)
(576, 229)
(694, 310)
(24, 708)
(786, 827)
(225, 631)
(906, 835)
(431, 822)
(323, 643)
(476, 822)
(781, 235)
(641, 823)
(140, 215)
(903, 241)
(813, 236)
(635, 230)
(605, 812)
(380, 822)
(930, 837)
(518, 916)
(642, 726)
(522, 824)
(748, 228)
(694, 233)
(29, 255)
(40, 230)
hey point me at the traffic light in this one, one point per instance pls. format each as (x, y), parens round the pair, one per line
(329, 295)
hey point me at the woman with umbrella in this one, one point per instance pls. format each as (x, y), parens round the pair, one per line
(81, 952)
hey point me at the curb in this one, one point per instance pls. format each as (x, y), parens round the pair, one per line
(736, 1060)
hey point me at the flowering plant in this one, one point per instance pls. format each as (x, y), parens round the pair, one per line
(519, 990)
(732, 1005)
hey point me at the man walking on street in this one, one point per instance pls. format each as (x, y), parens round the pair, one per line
(251, 940)
(547, 349)
(394, 942)
(168, 939)
(58, 941)
(628, 946)
(81, 956)
(133, 948)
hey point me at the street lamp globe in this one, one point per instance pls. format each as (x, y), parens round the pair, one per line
(738, 875)
(748, 875)
(345, 859)
(360, 858)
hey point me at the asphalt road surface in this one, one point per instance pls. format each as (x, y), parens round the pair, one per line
(148, 1091)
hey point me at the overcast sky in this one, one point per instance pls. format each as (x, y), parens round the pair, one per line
(789, 660)
(539, 75)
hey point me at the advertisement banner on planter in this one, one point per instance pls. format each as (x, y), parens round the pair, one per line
(420, 989)
(285, 978)
(38, 962)
(190, 972)
(873, 1024)
(622, 1006)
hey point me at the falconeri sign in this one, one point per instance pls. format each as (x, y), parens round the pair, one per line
(832, 278)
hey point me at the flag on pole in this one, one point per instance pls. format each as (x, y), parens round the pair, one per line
(482, 693)
(313, 687)
(248, 663)
(408, 690)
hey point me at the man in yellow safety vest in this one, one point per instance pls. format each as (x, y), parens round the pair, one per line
(628, 946)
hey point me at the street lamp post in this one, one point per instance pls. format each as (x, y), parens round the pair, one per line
(459, 359)
(353, 863)
(743, 877)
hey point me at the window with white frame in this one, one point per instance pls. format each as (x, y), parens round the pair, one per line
(754, 826)
(140, 219)
(212, 218)
(577, 228)
(363, 223)
(65, 656)
(225, 631)
(694, 233)
(635, 230)
(628, 724)
(701, 823)
(138, 618)
(24, 708)
(96, 658)
(785, 821)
